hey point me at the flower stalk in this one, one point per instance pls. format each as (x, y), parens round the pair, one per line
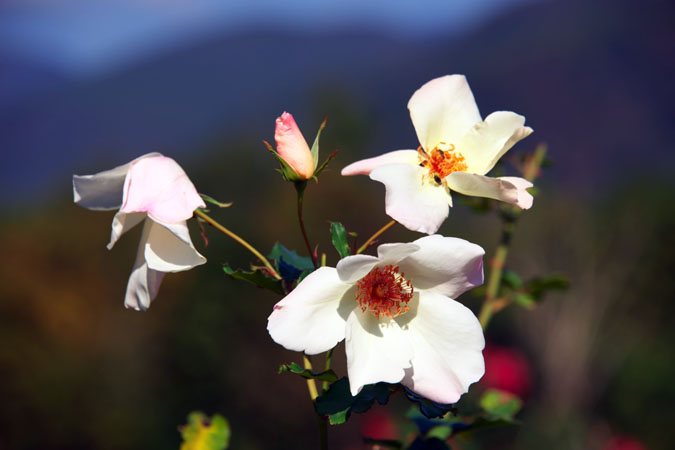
(375, 236)
(208, 219)
(300, 189)
(493, 303)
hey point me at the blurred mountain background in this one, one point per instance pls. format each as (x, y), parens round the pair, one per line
(594, 79)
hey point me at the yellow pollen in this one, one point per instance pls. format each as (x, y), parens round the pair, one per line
(441, 163)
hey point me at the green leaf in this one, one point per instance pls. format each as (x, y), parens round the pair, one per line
(204, 433)
(337, 403)
(525, 300)
(257, 277)
(511, 279)
(338, 235)
(500, 404)
(213, 201)
(290, 257)
(328, 375)
(315, 145)
(441, 432)
(539, 286)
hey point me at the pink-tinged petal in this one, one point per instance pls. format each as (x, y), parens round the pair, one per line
(144, 282)
(447, 342)
(365, 166)
(103, 191)
(168, 247)
(487, 141)
(312, 317)
(159, 187)
(410, 199)
(123, 222)
(377, 350)
(497, 188)
(443, 110)
(292, 146)
(525, 199)
(352, 268)
(446, 265)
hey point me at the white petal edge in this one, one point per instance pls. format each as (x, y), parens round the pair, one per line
(443, 110)
(312, 318)
(411, 200)
(393, 253)
(353, 268)
(144, 282)
(487, 141)
(497, 188)
(447, 265)
(365, 166)
(123, 222)
(168, 247)
(447, 342)
(103, 190)
(377, 350)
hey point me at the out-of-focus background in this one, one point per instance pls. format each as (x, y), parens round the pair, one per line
(88, 85)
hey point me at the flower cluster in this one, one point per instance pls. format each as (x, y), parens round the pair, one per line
(397, 312)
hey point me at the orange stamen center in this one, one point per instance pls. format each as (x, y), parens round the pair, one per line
(384, 292)
(441, 163)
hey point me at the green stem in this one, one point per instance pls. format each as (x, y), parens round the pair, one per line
(300, 188)
(249, 247)
(329, 356)
(375, 236)
(510, 215)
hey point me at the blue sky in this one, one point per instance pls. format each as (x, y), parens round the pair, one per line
(84, 37)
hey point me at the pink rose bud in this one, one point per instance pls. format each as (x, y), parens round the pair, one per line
(292, 146)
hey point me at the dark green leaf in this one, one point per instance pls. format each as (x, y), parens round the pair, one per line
(525, 300)
(204, 433)
(338, 235)
(500, 404)
(290, 257)
(539, 286)
(338, 403)
(257, 277)
(328, 375)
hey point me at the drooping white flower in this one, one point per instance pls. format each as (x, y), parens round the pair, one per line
(397, 315)
(155, 190)
(457, 149)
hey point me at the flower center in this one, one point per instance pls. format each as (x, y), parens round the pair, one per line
(441, 162)
(384, 292)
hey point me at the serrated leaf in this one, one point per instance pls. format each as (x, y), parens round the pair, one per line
(338, 403)
(256, 277)
(213, 201)
(328, 375)
(338, 235)
(204, 433)
(315, 145)
(500, 404)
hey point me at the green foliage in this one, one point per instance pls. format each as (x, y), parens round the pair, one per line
(258, 276)
(315, 145)
(204, 433)
(338, 235)
(290, 257)
(328, 375)
(323, 165)
(215, 202)
(528, 294)
(500, 404)
(338, 403)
